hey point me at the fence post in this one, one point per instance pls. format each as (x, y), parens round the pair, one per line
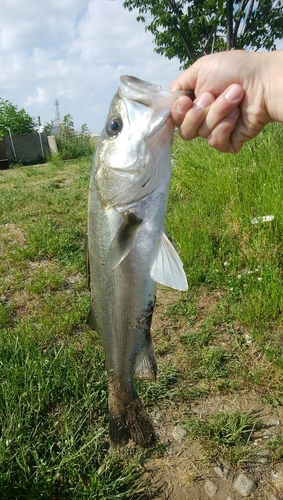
(13, 147)
(40, 140)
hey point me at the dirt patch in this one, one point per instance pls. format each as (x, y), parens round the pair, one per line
(184, 470)
(11, 235)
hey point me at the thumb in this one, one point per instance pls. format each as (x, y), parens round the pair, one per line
(186, 80)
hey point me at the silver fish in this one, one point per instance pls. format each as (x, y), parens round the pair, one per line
(128, 250)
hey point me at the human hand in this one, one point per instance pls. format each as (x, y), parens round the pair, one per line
(230, 107)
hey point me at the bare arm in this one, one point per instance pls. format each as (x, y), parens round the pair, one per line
(237, 94)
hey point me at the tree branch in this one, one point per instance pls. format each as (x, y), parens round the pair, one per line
(238, 21)
(229, 34)
(175, 10)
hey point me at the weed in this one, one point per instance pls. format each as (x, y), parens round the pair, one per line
(224, 433)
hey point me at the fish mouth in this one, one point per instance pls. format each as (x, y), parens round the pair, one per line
(137, 84)
(146, 92)
(153, 103)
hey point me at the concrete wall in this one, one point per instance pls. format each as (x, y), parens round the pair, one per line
(26, 148)
(3, 159)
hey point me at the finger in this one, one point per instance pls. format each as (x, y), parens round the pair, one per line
(175, 85)
(187, 79)
(221, 108)
(221, 136)
(179, 109)
(195, 116)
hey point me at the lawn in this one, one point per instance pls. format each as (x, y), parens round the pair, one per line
(223, 336)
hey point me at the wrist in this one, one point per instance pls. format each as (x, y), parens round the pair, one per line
(272, 71)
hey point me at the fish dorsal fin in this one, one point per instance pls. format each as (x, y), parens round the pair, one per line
(123, 241)
(145, 365)
(167, 268)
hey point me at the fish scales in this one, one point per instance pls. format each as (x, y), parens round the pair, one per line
(128, 251)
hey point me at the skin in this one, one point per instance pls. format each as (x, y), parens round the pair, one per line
(237, 94)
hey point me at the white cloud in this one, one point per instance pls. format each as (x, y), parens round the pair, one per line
(73, 51)
(40, 97)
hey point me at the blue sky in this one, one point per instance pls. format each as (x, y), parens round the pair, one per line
(74, 51)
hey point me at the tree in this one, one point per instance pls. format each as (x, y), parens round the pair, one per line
(191, 29)
(17, 121)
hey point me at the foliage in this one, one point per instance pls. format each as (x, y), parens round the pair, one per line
(18, 121)
(48, 128)
(73, 144)
(190, 29)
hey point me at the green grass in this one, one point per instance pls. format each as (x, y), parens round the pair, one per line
(53, 396)
(53, 391)
(214, 197)
(224, 434)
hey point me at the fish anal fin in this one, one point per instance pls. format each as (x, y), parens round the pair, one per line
(91, 320)
(145, 365)
(123, 240)
(167, 268)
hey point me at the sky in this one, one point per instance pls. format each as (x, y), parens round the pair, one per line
(74, 51)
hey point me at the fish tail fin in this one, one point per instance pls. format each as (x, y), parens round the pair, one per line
(129, 421)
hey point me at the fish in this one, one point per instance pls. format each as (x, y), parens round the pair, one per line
(127, 249)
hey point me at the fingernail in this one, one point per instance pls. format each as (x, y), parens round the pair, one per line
(233, 93)
(181, 106)
(203, 101)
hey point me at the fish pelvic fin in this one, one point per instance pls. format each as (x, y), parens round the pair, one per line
(167, 268)
(123, 241)
(145, 365)
(132, 423)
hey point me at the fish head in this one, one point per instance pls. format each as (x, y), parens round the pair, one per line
(134, 153)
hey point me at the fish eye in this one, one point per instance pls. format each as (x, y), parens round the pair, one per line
(114, 126)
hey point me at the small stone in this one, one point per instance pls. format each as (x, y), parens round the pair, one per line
(269, 433)
(222, 471)
(244, 485)
(271, 496)
(210, 488)
(159, 417)
(273, 423)
(263, 455)
(179, 433)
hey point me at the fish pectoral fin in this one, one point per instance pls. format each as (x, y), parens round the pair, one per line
(145, 365)
(123, 241)
(167, 268)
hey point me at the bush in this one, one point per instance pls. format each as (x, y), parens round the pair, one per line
(74, 146)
